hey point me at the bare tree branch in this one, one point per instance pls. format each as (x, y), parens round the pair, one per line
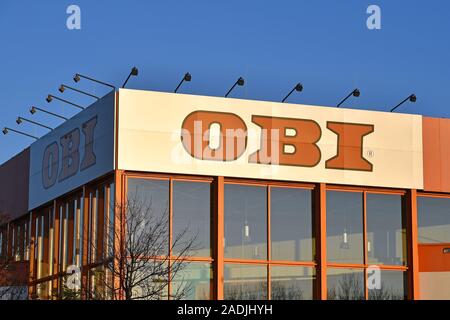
(136, 263)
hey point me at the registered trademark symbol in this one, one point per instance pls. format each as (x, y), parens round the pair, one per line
(370, 153)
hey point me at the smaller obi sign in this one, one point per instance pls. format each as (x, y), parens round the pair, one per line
(76, 152)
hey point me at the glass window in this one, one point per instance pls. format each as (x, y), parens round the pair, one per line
(345, 284)
(25, 240)
(71, 211)
(150, 198)
(150, 194)
(192, 282)
(99, 283)
(387, 285)
(433, 219)
(386, 233)
(43, 245)
(70, 229)
(245, 222)
(345, 227)
(97, 223)
(153, 288)
(245, 282)
(44, 290)
(292, 283)
(192, 217)
(78, 225)
(111, 235)
(291, 224)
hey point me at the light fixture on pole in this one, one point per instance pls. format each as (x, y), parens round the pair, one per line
(134, 72)
(19, 120)
(50, 98)
(411, 98)
(33, 110)
(354, 93)
(187, 77)
(77, 77)
(240, 82)
(6, 130)
(63, 88)
(298, 87)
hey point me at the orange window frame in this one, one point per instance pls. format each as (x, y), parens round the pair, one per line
(171, 179)
(268, 262)
(365, 265)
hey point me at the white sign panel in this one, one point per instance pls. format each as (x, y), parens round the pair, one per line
(188, 134)
(76, 152)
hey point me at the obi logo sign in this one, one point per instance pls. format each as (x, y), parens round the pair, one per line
(68, 150)
(283, 141)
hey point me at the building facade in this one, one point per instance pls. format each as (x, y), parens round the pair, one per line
(285, 201)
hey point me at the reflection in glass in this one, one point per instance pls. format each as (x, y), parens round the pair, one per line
(109, 221)
(433, 219)
(151, 193)
(43, 256)
(78, 223)
(152, 196)
(192, 282)
(345, 227)
(245, 282)
(386, 234)
(245, 222)
(345, 284)
(192, 217)
(387, 285)
(291, 224)
(44, 290)
(292, 283)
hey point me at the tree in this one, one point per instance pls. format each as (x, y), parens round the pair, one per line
(287, 291)
(386, 293)
(349, 287)
(136, 264)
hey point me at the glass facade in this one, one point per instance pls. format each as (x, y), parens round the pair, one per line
(345, 242)
(268, 228)
(271, 238)
(366, 237)
(291, 224)
(192, 216)
(150, 197)
(386, 231)
(245, 222)
(72, 236)
(178, 214)
(433, 215)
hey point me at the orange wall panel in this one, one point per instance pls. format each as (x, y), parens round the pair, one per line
(436, 154)
(433, 259)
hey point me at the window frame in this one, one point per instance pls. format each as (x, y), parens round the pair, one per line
(365, 265)
(171, 179)
(268, 263)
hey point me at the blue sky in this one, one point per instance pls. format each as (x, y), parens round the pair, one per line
(324, 44)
